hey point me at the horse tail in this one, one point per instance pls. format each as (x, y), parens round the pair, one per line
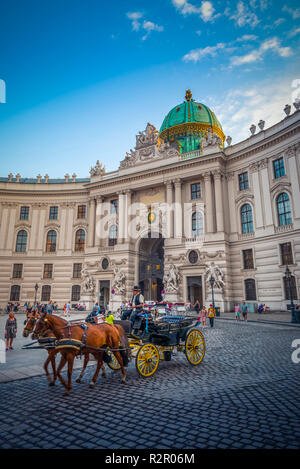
(126, 350)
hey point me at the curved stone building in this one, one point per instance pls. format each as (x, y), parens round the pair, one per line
(181, 208)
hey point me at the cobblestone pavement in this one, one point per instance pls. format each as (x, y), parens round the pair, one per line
(245, 394)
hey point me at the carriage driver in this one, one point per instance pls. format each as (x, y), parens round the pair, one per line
(136, 303)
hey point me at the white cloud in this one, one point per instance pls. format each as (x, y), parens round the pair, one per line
(294, 32)
(196, 55)
(247, 37)
(257, 54)
(134, 17)
(205, 11)
(244, 16)
(148, 26)
(292, 11)
(240, 108)
(263, 4)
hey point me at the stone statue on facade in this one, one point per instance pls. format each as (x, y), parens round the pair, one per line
(171, 279)
(88, 283)
(98, 170)
(119, 282)
(215, 271)
(148, 147)
(210, 139)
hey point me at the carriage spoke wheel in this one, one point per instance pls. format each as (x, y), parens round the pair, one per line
(194, 347)
(147, 360)
(113, 364)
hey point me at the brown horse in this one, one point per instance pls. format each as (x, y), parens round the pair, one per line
(28, 329)
(97, 337)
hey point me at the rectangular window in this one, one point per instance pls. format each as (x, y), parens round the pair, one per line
(24, 213)
(114, 206)
(77, 270)
(81, 212)
(248, 259)
(195, 191)
(18, 270)
(53, 214)
(243, 181)
(290, 287)
(48, 270)
(279, 170)
(286, 254)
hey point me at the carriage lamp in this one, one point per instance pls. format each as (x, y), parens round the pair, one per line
(36, 287)
(288, 276)
(212, 282)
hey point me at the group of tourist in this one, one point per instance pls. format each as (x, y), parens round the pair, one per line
(203, 313)
(12, 307)
(241, 309)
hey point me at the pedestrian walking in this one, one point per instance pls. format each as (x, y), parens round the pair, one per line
(68, 307)
(211, 315)
(237, 311)
(197, 306)
(10, 330)
(49, 308)
(244, 310)
(203, 315)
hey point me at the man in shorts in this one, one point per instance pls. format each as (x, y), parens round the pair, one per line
(244, 310)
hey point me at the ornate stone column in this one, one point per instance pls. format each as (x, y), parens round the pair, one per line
(219, 200)
(91, 233)
(208, 203)
(121, 211)
(170, 218)
(98, 232)
(178, 209)
(127, 215)
(231, 199)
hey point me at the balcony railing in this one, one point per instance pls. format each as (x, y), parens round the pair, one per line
(284, 228)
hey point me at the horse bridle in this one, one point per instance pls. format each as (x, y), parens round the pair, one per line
(31, 322)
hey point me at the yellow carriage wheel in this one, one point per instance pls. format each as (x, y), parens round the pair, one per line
(194, 347)
(113, 364)
(147, 360)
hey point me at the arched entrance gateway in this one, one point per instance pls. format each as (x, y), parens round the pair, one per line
(151, 267)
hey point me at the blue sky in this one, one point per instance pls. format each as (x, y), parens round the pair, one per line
(84, 76)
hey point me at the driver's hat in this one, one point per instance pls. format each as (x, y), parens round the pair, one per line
(136, 287)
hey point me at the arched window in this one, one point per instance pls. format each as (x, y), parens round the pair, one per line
(51, 241)
(46, 293)
(79, 240)
(75, 293)
(197, 224)
(21, 244)
(290, 286)
(284, 209)
(250, 290)
(15, 293)
(247, 219)
(113, 235)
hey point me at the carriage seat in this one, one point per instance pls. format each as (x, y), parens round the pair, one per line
(159, 339)
(125, 324)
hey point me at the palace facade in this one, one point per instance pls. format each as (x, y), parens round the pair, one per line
(181, 207)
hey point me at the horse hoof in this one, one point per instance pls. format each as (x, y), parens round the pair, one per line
(78, 380)
(123, 382)
(52, 383)
(66, 393)
(92, 385)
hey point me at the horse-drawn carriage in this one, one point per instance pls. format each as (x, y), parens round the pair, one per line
(152, 340)
(159, 340)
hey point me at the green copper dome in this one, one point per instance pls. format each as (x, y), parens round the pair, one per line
(190, 120)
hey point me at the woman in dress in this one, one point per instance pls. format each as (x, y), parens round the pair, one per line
(203, 314)
(10, 330)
